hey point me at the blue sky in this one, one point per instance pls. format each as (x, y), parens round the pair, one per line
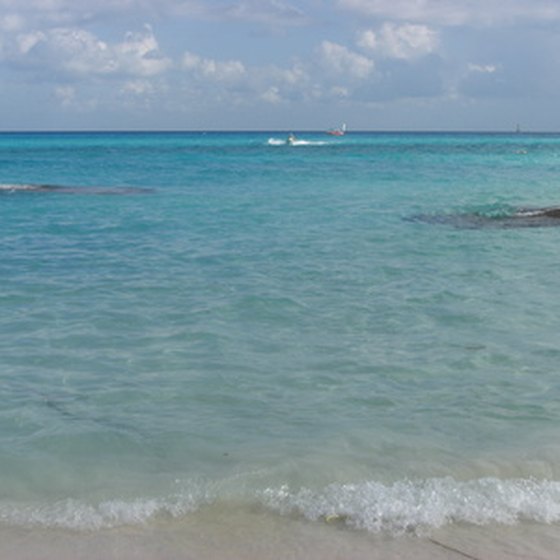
(280, 64)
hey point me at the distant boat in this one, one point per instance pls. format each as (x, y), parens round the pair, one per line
(338, 131)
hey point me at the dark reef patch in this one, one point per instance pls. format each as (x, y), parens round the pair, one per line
(62, 189)
(521, 218)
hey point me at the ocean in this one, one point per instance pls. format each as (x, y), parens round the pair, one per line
(219, 345)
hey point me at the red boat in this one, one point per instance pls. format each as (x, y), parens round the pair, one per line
(338, 131)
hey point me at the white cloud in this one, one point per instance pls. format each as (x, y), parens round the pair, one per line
(267, 12)
(339, 91)
(77, 12)
(27, 41)
(138, 87)
(222, 71)
(65, 12)
(340, 60)
(272, 96)
(231, 79)
(294, 76)
(142, 94)
(81, 53)
(460, 12)
(482, 68)
(65, 94)
(270, 12)
(274, 84)
(139, 54)
(400, 41)
(368, 40)
(489, 81)
(11, 22)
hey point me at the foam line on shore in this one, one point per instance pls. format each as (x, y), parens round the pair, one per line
(405, 507)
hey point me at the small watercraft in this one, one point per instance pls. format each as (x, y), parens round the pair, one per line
(338, 131)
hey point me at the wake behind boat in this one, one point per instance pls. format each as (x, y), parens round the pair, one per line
(293, 140)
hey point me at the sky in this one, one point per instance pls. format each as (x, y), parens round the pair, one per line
(280, 64)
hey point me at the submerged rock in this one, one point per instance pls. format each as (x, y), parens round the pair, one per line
(522, 218)
(63, 189)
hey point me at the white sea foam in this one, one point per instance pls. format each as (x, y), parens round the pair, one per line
(406, 506)
(412, 506)
(276, 142)
(280, 142)
(13, 187)
(77, 515)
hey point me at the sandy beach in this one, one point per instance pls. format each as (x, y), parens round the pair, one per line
(218, 535)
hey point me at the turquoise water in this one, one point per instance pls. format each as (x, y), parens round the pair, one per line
(362, 328)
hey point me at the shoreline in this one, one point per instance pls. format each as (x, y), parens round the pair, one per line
(256, 535)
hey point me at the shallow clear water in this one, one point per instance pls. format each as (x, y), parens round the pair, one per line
(362, 329)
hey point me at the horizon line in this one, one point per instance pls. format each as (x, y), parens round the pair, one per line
(272, 130)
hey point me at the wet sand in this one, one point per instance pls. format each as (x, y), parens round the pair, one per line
(211, 535)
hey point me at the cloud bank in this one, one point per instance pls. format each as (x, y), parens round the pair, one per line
(461, 12)
(184, 56)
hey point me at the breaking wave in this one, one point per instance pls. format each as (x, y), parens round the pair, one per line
(413, 506)
(406, 506)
